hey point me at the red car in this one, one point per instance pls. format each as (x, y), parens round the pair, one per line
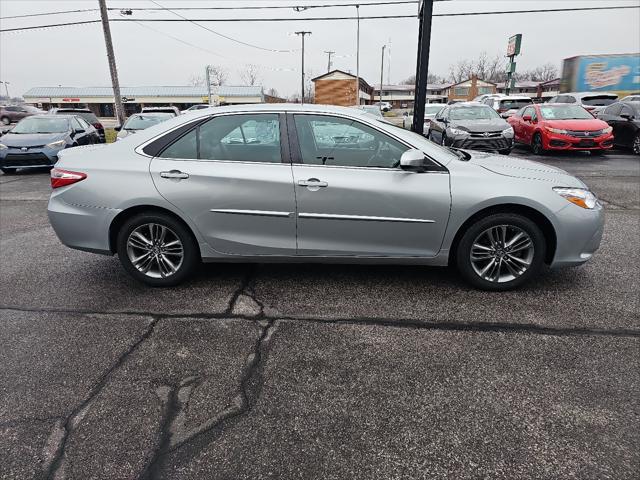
(560, 126)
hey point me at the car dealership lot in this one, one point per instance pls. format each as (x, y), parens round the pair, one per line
(319, 371)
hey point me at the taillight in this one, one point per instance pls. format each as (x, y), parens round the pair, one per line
(97, 126)
(62, 178)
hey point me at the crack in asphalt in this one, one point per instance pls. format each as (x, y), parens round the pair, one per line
(250, 386)
(71, 421)
(473, 326)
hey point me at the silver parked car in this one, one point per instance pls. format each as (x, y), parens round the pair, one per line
(313, 183)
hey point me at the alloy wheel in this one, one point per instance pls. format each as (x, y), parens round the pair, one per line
(502, 253)
(537, 145)
(155, 250)
(636, 145)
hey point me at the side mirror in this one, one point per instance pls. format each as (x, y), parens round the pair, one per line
(118, 128)
(441, 120)
(527, 118)
(80, 130)
(413, 161)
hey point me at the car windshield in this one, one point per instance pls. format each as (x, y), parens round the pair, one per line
(140, 122)
(599, 100)
(88, 116)
(41, 125)
(473, 113)
(564, 112)
(432, 109)
(514, 104)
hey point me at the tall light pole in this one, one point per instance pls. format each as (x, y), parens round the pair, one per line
(358, 56)
(6, 89)
(329, 53)
(302, 33)
(208, 80)
(381, 75)
(112, 62)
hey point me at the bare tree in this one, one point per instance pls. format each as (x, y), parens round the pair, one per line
(272, 92)
(218, 75)
(197, 80)
(484, 67)
(251, 74)
(543, 73)
(431, 79)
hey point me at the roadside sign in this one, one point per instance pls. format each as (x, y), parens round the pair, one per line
(513, 47)
(71, 100)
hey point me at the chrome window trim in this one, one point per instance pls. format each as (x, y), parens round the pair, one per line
(364, 218)
(259, 213)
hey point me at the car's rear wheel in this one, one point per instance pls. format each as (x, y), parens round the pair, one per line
(6, 120)
(156, 249)
(8, 171)
(537, 147)
(501, 252)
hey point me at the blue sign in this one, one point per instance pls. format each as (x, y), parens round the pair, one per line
(614, 72)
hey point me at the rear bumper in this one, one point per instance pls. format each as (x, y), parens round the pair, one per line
(554, 141)
(81, 227)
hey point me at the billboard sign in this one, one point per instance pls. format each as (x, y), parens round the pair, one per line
(608, 72)
(513, 48)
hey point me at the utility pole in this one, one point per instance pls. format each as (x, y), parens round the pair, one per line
(112, 62)
(329, 53)
(381, 75)
(425, 14)
(358, 56)
(302, 33)
(208, 80)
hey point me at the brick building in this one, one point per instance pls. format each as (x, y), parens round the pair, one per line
(469, 89)
(339, 88)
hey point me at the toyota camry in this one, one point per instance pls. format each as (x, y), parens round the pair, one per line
(313, 183)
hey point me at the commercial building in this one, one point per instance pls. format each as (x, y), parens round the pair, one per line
(339, 88)
(541, 90)
(101, 100)
(402, 96)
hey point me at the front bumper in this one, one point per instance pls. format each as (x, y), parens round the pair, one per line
(579, 233)
(555, 141)
(477, 141)
(38, 157)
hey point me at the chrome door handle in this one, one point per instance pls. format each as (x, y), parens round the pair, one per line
(174, 174)
(312, 182)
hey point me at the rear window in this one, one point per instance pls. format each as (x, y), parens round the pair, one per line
(514, 104)
(599, 100)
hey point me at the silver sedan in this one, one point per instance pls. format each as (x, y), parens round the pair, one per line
(311, 183)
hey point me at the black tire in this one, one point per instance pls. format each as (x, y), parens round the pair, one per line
(443, 140)
(537, 147)
(190, 252)
(6, 120)
(635, 147)
(514, 223)
(8, 171)
(505, 152)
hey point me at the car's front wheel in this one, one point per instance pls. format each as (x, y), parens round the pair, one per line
(636, 144)
(156, 249)
(501, 252)
(506, 151)
(6, 120)
(537, 147)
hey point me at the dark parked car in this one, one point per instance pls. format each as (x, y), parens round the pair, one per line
(474, 126)
(35, 141)
(85, 113)
(15, 113)
(624, 117)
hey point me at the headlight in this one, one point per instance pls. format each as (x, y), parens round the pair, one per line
(56, 144)
(3, 146)
(556, 130)
(578, 196)
(507, 131)
(607, 130)
(457, 131)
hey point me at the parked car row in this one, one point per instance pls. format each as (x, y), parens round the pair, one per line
(14, 113)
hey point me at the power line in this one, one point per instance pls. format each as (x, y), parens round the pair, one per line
(222, 34)
(374, 17)
(51, 13)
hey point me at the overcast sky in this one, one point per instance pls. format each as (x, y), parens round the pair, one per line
(75, 55)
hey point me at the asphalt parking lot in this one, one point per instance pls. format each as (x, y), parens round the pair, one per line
(312, 371)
